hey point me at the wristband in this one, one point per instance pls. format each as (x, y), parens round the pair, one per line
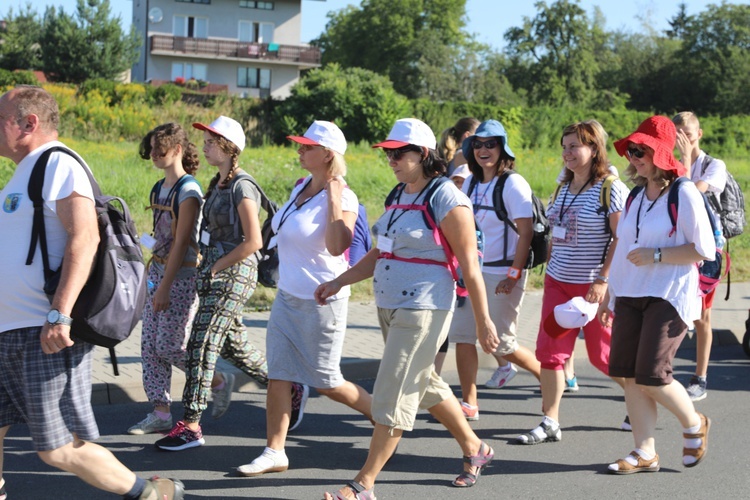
(602, 278)
(657, 255)
(514, 273)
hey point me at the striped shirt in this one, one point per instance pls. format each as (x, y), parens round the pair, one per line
(580, 239)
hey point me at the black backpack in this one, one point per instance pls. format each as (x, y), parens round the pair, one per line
(268, 258)
(111, 302)
(171, 203)
(540, 239)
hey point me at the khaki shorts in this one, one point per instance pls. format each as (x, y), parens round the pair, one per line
(503, 309)
(406, 378)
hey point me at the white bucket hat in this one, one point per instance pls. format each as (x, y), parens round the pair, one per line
(409, 131)
(229, 129)
(322, 133)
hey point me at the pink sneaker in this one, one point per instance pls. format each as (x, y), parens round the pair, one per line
(470, 412)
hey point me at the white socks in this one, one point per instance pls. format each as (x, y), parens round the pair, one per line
(691, 443)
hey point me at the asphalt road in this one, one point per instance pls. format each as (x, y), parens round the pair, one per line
(332, 443)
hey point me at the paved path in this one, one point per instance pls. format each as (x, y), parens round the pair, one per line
(363, 346)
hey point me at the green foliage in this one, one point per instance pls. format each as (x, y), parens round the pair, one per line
(362, 103)
(87, 45)
(164, 95)
(20, 48)
(390, 36)
(12, 78)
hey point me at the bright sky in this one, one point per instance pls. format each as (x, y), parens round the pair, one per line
(488, 19)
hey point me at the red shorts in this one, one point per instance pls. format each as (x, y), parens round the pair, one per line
(708, 299)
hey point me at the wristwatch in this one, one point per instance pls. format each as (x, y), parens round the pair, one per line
(55, 317)
(514, 273)
(657, 255)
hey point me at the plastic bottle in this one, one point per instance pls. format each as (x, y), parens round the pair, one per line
(719, 238)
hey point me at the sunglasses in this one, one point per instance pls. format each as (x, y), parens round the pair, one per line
(638, 153)
(397, 154)
(491, 144)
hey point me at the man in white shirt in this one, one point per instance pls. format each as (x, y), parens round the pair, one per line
(709, 175)
(45, 376)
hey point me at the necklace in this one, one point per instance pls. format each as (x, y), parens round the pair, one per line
(640, 205)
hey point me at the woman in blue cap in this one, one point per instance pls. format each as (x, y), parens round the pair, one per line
(506, 249)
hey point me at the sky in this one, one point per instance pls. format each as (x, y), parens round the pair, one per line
(487, 19)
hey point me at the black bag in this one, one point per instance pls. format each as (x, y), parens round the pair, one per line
(540, 238)
(268, 258)
(111, 302)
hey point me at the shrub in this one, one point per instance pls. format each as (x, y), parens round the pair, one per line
(362, 103)
(10, 79)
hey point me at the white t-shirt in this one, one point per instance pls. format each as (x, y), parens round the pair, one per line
(715, 176)
(517, 199)
(22, 301)
(304, 260)
(677, 284)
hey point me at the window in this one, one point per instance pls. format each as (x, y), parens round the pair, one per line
(254, 78)
(255, 32)
(250, 4)
(191, 27)
(194, 1)
(189, 70)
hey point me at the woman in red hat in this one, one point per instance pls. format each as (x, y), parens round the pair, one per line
(654, 291)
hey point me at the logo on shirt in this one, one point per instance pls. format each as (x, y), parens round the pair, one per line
(12, 201)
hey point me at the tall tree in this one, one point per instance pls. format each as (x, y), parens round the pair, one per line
(89, 44)
(678, 23)
(556, 56)
(19, 46)
(388, 36)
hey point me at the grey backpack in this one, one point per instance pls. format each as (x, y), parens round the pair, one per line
(729, 205)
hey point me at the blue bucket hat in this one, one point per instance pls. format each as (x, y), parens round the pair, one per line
(490, 128)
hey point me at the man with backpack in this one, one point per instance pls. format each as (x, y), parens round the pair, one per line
(709, 176)
(45, 376)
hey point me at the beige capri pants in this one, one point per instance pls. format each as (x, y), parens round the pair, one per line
(406, 379)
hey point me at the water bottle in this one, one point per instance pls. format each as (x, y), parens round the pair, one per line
(719, 238)
(151, 286)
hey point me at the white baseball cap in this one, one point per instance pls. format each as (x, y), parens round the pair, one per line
(461, 171)
(409, 131)
(572, 315)
(322, 133)
(229, 129)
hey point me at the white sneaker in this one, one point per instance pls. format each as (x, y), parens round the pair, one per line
(265, 463)
(502, 376)
(223, 397)
(151, 424)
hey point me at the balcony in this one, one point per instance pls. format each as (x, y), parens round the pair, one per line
(208, 48)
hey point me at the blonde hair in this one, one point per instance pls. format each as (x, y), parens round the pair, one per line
(662, 178)
(450, 138)
(337, 167)
(686, 119)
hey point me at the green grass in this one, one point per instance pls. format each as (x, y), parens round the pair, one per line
(122, 172)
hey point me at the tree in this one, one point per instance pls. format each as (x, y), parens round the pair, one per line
(557, 56)
(679, 23)
(390, 36)
(362, 103)
(20, 47)
(87, 45)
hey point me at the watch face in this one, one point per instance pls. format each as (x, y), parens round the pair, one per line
(53, 316)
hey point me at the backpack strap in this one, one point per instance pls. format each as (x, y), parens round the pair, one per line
(605, 203)
(555, 194)
(265, 203)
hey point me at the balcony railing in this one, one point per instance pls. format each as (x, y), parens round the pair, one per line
(205, 47)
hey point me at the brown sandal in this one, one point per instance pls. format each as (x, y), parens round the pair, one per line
(700, 452)
(643, 465)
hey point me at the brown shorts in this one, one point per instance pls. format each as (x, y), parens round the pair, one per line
(646, 333)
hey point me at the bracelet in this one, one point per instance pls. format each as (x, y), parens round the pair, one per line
(604, 279)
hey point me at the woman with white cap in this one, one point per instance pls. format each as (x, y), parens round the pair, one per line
(579, 263)
(506, 249)
(226, 279)
(654, 288)
(304, 339)
(415, 294)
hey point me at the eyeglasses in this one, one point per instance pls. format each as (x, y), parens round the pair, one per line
(491, 144)
(397, 154)
(638, 153)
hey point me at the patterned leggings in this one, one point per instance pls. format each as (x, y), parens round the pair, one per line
(165, 335)
(218, 331)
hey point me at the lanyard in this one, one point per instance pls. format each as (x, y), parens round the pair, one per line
(638, 215)
(286, 214)
(565, 197)
(478, 199)
(391, 220)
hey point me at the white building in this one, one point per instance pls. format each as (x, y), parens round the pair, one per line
(250, 46)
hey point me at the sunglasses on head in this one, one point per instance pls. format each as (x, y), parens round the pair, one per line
(638, 153)
(491, 144)
(397, 154)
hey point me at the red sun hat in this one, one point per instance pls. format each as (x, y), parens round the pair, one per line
(658, 133)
